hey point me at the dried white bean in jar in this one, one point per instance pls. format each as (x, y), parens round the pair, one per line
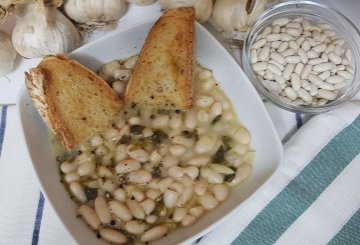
(310, 50)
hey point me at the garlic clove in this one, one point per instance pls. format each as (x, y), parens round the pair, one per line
(203, 8)
(94, 13)
(141, 2)
(8, 54)
(44, 31)
(235, 15)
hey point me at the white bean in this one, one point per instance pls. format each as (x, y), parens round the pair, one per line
(138, 154)
(305, 72)
(200, 187)
(287, 71)
(290, 93)
(211, 176)
(192, 171)
(315, 79)
(200, 160)
(185, 196)
(273, 37)
(203, 116)
(71, 176)
(325, 75)
(78, 191)
(277, 64)
(86, 168)
(153, 193)
(253, 56)
(164, 183)
(120, 195)
(177, 150)
(323, 67)
(274, 69)
(151, 219)
(205, 144)
(258, 44)
(197, 211)
(102, 210)
(120, 210)
(281, 21)
(113, 236)
(67, 167)
(275, 44)
(204, 101)
(293, 32)
(221, 168)
(169, 160)
(216, 109)
(295, 81)
(208, 201)
(345, 74)
(303, 94)
(259, 66)
(148, 205)
(188, 220)
(127, 166)
(298, 69)
(135, 227)
(179, 214)
(90, 216)
(190, 119)
(135, 209)
(221, 192)
(122, 74)
(325, 94)
(242, 135)
(305, 45)
(96, 141)
(139, 177)
(120, 153)
(160, 121)
(154, 233)
(335, 79)
(242, 173)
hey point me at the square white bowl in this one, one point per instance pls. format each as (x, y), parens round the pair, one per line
(209, 53)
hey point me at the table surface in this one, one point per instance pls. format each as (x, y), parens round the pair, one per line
(286, 124)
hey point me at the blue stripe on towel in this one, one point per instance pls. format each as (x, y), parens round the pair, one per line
(349, 234)
(299, 121)
(304, 189)
(2, 126)
(38, 218)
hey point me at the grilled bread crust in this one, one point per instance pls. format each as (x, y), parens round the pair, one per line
(73, 101)
(163, 76)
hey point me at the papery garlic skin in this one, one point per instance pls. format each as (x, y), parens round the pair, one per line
(95, 12)
(44, 31)
(7, 54)
(203, 8)
(232, 15)
(141, 2)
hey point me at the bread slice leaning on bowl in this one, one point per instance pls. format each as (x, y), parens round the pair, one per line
(164, 73)
(73, 101)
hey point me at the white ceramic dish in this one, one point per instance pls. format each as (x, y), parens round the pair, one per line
(211, 54)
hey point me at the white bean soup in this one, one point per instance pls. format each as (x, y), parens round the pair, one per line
(156, 170)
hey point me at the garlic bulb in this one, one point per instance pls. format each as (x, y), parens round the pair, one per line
(8, 54)
(236, 15)
(203, 8)
(44, 31)
(141, 2)
(95, 13)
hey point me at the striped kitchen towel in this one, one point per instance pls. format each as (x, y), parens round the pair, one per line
(314, 198)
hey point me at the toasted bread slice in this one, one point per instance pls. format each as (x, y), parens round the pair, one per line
(163, 76)
(73, 101)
